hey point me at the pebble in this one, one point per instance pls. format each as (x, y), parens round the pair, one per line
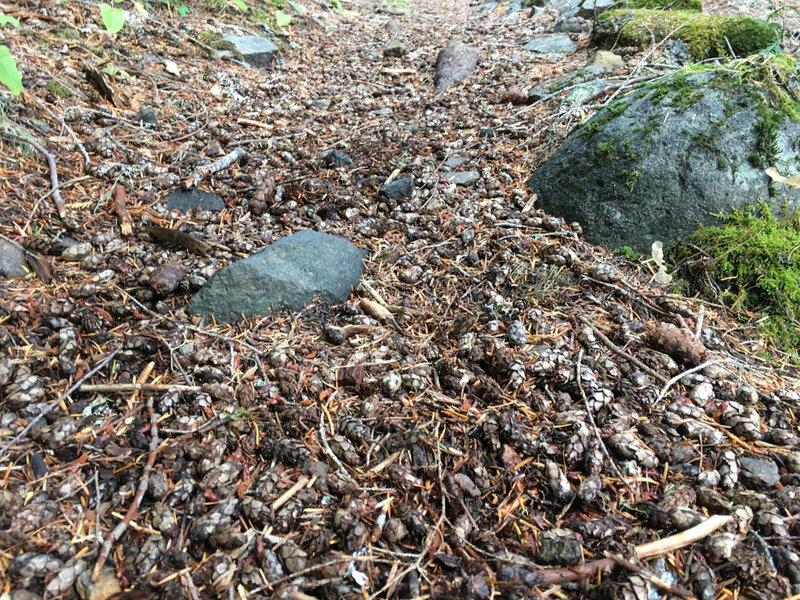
(517, 335)
(77, 252)
(759, 472)
(558, 547)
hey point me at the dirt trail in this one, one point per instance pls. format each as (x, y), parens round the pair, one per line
(520, 404)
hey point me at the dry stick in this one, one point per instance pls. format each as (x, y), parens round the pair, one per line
(211, 168)
(641, 63)
(52, 406)
(616, 349)
(120, 199)
(649, 550)
(680, 376)
(86, 160)
(117, 532)
(139, 387)
(324, 439)
(594, 425)
(51, 161)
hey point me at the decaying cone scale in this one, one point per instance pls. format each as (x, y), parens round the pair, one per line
(680, 345)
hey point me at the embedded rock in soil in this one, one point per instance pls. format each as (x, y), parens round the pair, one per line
(285, 275)
(186, 200)
(759, 472)
(336, 158)
(667, 158)
(256, 51)
(394, 49)
(607, 60)
(454, 62)
(557, 43)
(463, 178)
(398, 189)
(146, 116)
(590, 8)
(12, 260)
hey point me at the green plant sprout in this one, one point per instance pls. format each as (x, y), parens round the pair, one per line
(113, 17)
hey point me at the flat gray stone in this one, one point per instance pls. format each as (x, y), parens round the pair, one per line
(398, 189)
(286, 275)
(555, 43)
(590, 8)
(454, 162)
(185, 200)
(255, 50)
(463, 178)
(454, 62)
(558, 547)
(607, 60)
(12, 260)
(759, 472)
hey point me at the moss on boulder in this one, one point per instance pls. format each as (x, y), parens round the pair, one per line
(707, 36)
(677, 152)
(695, 5)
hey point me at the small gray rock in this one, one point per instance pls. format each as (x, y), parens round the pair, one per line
(463, 178)
(256, 51)
(285, 275)
(607, 60)
(12, 260)
(146, 116)
(336, 158)
(759, 472)
(185, 200)
(454, 162)
(454, 62)
(591, 8)
(557, 43)
(395, 49)
(398, 189)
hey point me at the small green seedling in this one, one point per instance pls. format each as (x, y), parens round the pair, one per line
(8, 20)
(9, 74)
(282, 19)
(240, 5)
(113, 17)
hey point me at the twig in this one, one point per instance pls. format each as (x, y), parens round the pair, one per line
(51, 161)
(86, 160)
(599, 439)
(119, 530)
(649, 550)
(211, 168)
(616, 349)
(139, 387)
(287, 495)
(680, 376)
(21, 435)
(324, 439)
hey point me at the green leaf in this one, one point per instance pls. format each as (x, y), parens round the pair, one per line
(282, 19)
(9, 74)
(113, 18)
(337, 5)
(139, 8)
(110, 70)
(240, 5)
(298, 9)
(183, 10)
(6, 19)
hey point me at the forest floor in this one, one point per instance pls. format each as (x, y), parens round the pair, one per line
(524, 415)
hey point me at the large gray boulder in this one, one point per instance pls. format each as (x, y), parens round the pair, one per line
(671, 156)
(285, 275)
(454, 62)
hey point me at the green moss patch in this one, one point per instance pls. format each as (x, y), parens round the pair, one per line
(707, 36)
(695, 5)
(752, 263)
